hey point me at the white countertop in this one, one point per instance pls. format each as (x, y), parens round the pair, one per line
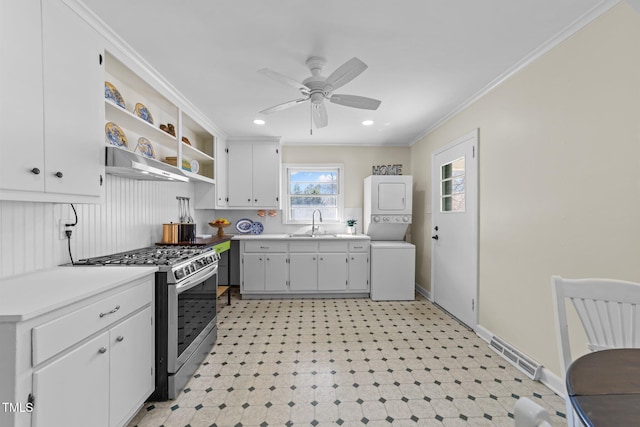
(30, 295)
(301, 237)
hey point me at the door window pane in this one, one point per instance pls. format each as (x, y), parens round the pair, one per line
(452, 186)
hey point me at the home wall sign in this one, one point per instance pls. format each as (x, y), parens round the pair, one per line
(387, 170)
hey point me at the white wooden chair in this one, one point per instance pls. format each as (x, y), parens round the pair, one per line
(609, 311)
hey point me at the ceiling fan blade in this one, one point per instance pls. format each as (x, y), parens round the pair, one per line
(344, 74)
(355, 101)
(320, 115)
(283, 106)
(281, 78)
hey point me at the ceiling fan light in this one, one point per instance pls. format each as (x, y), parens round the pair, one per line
(259, 122)
(367, 122)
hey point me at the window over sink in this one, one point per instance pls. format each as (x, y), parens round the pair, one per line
(311, 187)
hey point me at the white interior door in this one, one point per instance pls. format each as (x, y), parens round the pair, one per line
(454, 269)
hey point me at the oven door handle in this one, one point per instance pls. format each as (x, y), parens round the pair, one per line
(196, 279)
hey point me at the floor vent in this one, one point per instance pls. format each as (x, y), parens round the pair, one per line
(517, 359)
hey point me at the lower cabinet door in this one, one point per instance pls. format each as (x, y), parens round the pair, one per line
(252, 272)
(303, 272)
(131, 365)
(359, 272)
(275, 272)
(332, 271)
(74, 389)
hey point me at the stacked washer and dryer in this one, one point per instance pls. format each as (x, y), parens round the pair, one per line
(387, 215)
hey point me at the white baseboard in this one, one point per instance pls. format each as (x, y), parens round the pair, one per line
(548, 378)
(424, 292)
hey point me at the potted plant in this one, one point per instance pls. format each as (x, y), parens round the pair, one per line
(351, 226)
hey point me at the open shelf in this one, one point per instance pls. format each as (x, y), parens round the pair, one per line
(135, 89)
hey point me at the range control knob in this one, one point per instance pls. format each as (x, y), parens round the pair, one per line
(397, 219)
(375, 219)
(385, 219)
(406, 218)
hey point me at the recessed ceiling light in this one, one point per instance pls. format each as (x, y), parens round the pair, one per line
(367, 122)
(259, 122)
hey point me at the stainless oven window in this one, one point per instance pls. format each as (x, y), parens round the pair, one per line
(196, 310)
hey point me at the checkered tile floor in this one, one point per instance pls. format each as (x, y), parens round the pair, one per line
(347, 362)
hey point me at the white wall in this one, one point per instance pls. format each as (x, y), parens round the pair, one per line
(131, 217)
(559, 165)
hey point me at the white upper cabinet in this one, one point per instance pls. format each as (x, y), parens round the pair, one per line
(73, 78)
(21, 109)
(253, 173)
(222, 195)
(51, 117)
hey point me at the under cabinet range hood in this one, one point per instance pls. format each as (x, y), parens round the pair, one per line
(130, 165)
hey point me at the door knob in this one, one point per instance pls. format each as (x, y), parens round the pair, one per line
(435, 237)
(35, 171)
(58, 174)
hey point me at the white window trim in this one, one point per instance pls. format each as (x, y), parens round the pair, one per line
(311, 167)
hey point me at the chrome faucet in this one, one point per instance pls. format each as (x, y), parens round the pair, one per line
(315, 227)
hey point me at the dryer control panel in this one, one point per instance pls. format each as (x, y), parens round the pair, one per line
(391, 219)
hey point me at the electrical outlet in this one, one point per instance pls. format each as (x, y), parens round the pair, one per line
(63, 227)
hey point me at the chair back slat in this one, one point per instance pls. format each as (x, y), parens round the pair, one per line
(609, 311)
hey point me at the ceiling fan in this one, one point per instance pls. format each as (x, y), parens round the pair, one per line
(318, 88)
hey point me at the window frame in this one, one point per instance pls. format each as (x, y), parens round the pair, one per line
(311, 167)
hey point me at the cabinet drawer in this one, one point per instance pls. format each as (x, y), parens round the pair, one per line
(303, 247)
(359, 246)
(53, 337)
(332, 246)
(265, 246)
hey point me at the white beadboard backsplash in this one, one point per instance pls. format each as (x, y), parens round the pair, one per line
(131, 217)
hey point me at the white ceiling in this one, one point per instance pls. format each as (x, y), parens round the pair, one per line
(425, 57)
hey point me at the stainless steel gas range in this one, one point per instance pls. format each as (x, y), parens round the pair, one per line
(185, 308)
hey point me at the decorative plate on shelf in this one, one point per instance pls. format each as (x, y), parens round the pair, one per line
(257, 227)
(143, 112)
(145, 147)
(112, 94)
(195, 166)
(244, 225)
(115, 135)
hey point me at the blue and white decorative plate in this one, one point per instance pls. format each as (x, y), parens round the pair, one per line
(244, 225)
(115, 135)
(195, 166)
(112, 94)
(257, 227)
(145, 147)
(144, 113)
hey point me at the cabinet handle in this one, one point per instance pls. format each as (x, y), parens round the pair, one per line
(358, 247)
(58, 174)
(248, 200)
(267, 259)
(256, 200)
(35, 171)
(120, 338)
(321, 259)
(314, 258)
(102, 350)
(264, 247)
(110, 312)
